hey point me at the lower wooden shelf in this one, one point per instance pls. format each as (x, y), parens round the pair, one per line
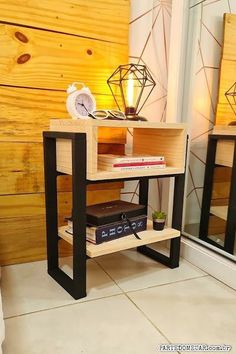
(102, 175)
(106, 175)
(147, 237)
(220, 211)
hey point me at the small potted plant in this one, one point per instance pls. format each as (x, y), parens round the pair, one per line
(159, 218)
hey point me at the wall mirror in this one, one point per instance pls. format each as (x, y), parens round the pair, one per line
(211, 71)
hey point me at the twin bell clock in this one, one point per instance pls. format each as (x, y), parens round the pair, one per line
(80, 102)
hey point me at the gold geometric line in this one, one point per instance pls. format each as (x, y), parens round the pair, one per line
(200, 2)
(135, 192)
(193, 190)
(198, 136)
(167, 3)
(208, 88)
(131, 193)
(145, 13)
(123, 193)
(164, 35)
(198, 158)
(169, 13)
(134, 57)
(207, 67)
(159, 191)
(200, 22)
(163, 113)
(211, 34)
(149, 35)
(130, 132)
(201, 114)
(155, 77)
(158, 99)
(229, 7)
(145, 45)
(191, 176)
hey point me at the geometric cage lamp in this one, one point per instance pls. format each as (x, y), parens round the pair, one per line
(131, 85)
(231, 97)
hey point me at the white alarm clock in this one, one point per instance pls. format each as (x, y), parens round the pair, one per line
(80, 102)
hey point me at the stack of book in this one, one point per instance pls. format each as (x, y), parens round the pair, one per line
(111, 220)
(110, 162)
(109, 232)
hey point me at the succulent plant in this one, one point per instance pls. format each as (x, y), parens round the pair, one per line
(158, 215)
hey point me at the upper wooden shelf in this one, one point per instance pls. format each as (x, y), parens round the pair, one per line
(224, 130)
(225, 148)
(153, 138)
(74, 124)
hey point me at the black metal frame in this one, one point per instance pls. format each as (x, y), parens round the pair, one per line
(207, 196)
(173, 260)
(76, 286)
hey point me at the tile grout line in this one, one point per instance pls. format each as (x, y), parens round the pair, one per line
(144, 315)
(166, 284)
(157, 285)
(149, 320)
(77, 302)
(107, 296)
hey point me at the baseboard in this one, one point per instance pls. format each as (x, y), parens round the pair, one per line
(210, 262)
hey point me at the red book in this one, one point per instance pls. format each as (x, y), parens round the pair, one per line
(132, 164)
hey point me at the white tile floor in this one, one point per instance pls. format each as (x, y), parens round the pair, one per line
(133, 305)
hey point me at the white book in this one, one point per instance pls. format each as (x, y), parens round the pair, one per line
(89, 237)
(128, 158)
(89, 230)
(130, 168)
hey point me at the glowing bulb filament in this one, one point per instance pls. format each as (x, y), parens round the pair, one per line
(130, 92)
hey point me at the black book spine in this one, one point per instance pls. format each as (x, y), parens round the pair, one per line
(120, 229)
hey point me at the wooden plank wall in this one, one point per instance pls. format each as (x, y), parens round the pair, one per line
(46, 45)
(224, 113)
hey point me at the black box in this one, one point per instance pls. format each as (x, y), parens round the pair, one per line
(107, 213)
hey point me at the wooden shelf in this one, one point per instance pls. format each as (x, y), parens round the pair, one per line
(101, 175)
(147, 237)
(225, 148)
(225, 153)
(78, 124)
(149, 138)
(220, 211)
(109, 175)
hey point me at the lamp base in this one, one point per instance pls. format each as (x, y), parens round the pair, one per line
(136, 117)
(130, 113)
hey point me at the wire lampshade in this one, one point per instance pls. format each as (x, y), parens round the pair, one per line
(131, 85)
(231, 97)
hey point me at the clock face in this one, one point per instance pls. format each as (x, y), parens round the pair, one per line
(84, 104)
